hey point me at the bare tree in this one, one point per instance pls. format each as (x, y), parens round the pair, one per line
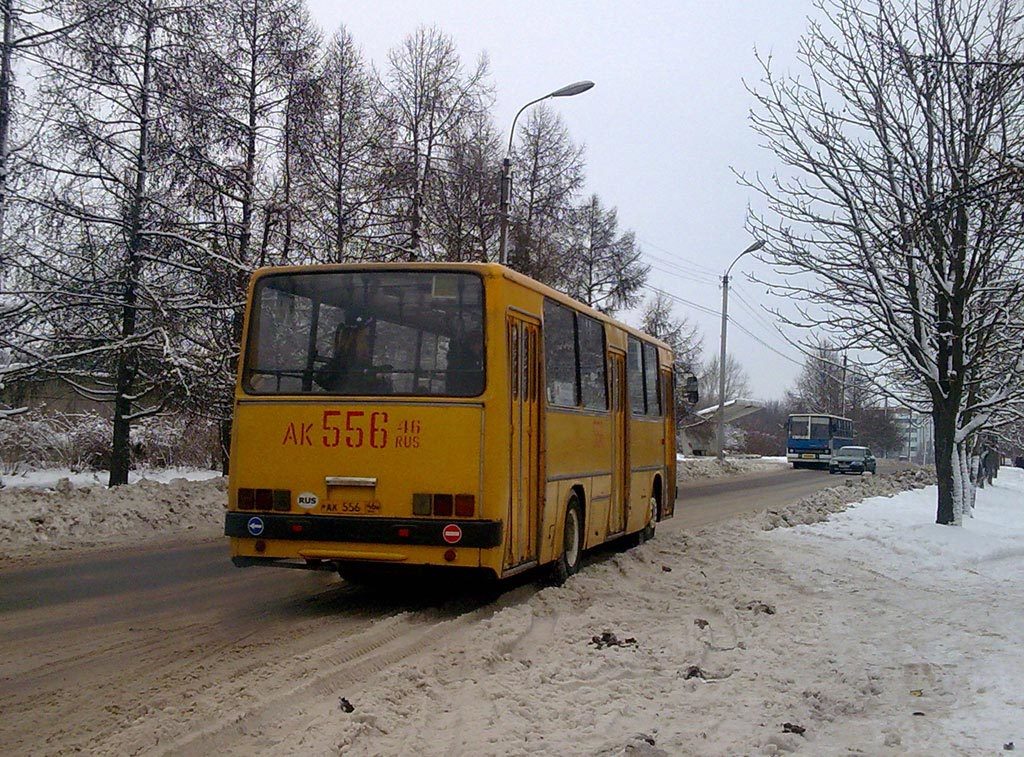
(340, 153)
(427, 98)
(467, 203)
(764, 432)
(104, 276)
(27, 28)
(902, 203)
(602, 266)
(737, 382)
(684, 337)
(548, 176)
(822, 384)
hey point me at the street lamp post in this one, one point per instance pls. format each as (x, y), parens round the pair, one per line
(506, 163)
(721, 359)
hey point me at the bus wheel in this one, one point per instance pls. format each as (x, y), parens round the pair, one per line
(572, 543)
(652, 518)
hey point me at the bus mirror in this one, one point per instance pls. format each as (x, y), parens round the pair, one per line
(692, 391)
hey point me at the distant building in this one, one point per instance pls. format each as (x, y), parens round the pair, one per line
(699, 435)
(917, 435)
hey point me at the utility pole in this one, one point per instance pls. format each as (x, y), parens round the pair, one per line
(721, 359)
(721, 368)
(843, 411)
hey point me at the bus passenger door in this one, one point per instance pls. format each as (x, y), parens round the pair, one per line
(523, 336)
(620, 449)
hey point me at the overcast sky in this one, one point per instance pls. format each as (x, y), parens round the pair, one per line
(663, 127)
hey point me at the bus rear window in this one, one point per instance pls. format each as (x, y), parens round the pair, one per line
(367, 333)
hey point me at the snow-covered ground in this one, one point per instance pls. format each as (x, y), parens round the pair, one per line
(875, 632)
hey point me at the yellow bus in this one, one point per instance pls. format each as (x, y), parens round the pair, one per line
(431, 414)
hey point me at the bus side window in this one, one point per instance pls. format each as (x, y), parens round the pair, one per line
(560, 355)
(651, 380)
(635, 377)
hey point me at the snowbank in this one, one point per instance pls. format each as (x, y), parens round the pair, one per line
(71, 517)
(847, 491)
(875, 632)
(48, 478)
(690, 468)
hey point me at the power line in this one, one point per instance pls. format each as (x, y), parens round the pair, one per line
(683, 301)
(733, 321)
(677, 274)
(675, 267)
(679, 258)
(753, 310)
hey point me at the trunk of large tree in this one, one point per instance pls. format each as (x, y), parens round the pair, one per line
(944, 418)
(120, 448)
(127, 356)
(6, 83)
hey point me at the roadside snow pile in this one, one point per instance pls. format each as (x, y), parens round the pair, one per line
(48, 478)
(690, 468)
(821, 504)
(68, 517)
(875, 632)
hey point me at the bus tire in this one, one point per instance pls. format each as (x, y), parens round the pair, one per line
(648, 532)
(568, 561)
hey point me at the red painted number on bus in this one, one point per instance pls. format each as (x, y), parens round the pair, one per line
(332, 438)
(354, 437)
(358, 429)
(378, 430)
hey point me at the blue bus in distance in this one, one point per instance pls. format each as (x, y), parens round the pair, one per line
(812, 438)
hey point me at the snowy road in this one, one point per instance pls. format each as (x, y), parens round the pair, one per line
(125, 650)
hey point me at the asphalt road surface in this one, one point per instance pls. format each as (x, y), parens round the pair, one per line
(91, 645)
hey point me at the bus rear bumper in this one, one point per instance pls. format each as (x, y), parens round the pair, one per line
(404, 532)
(246, 553)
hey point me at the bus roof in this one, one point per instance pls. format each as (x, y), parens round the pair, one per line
(819, 415)
(491, 270)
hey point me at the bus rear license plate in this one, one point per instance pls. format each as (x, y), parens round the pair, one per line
(806, 456)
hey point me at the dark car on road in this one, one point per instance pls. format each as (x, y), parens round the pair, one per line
(852, 460)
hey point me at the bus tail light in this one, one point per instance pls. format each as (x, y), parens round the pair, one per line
(443, 504)
(282, 499)
(264, 499)
(465, 504)
(421, 504)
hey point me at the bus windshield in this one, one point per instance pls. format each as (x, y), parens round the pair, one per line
(798, 427)
(820, 428)
(366, 333)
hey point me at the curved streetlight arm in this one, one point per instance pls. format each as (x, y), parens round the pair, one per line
(753, 248)
(567, 91)
(512, 133)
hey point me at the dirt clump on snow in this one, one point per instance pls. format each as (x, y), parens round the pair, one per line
(70, 517)
(818, 506)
